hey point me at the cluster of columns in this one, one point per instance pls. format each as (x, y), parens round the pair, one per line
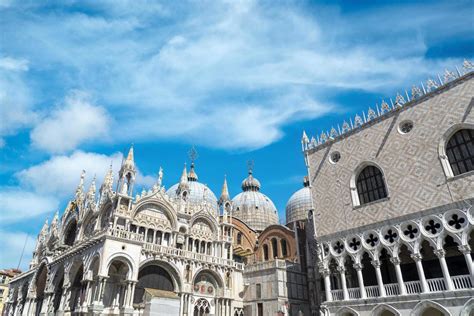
(200, 246)
(417, 258)
(223, 306)
(154, 236)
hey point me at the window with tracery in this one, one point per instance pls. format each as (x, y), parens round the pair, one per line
(371, 185)
(460, 151)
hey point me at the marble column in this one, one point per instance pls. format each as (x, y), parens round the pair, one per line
(421, 272)
(342, 274)
(398, 272)
(378, 274)
(440, 253)
(327, 285)
(466, 251)
(358, 267)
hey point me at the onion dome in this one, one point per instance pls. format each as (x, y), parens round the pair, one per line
(299, 204)
(253, 207)
(198, 193)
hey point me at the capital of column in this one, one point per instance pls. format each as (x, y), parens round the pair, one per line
(325, 272)
(465, 249)
(416, 257)
(376, 264)
(440, 253)
(395, 260)
(341, 269)
(358, 266)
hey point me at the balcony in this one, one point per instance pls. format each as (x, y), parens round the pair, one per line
(460, 282)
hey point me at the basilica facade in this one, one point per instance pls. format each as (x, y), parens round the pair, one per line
(393, 213)
(179, 251)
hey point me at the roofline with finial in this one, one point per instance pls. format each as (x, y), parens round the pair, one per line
(418, 95)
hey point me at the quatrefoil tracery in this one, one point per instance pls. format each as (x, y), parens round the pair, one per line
(411, 231)
(372, 240)
(433, 227)
(456, 221)
(391, 236)
(354, 244)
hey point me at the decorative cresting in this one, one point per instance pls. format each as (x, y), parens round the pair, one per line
(417, 92)
(433, 228)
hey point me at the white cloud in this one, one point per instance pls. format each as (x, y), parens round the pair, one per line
(16, 108)
(18, 204)
(74, 122)
(185, 71)
(12, 248)
(59, 176)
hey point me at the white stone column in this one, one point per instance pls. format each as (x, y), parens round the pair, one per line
(360, 278)
(342, 274)
(421, 272)
(398, 272)
(440, 253)
(378, 274)
(466, 251)
(327, 285)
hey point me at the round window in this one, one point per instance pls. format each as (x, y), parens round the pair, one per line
(335, 157)
(405, 127)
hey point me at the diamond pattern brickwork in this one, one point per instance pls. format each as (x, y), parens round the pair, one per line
(413, 172)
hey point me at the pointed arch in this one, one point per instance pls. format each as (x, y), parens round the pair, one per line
(443, 145)
(423, 305)
(362, 194)
(346, 311)
(467, 308)
(379, 309)
(161, 205)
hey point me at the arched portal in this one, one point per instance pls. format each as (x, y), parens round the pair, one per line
(77, 289)
(454, 258)
(153, 277)
(58, 282)
(40, 287)
(114, 293)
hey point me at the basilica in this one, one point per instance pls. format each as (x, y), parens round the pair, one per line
(383, 225)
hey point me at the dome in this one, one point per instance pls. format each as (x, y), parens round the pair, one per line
(198, 192)
(299, 204)
(253, 207)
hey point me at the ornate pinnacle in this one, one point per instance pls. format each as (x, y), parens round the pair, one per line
(130, 154)
(80, 187)
(225, 192)
(304, 138)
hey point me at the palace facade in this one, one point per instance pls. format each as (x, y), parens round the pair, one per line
(393, 212)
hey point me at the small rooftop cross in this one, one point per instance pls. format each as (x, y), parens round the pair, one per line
(193, 154)
(250, 165)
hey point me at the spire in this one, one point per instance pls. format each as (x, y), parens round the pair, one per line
(54, 229)
(44, 231)
(92, 190)
(80, 187)
(183, 182)
(304, 138)
(225, 192)
(108, 180)
(192, 175)
(160, 177)
(130, 154)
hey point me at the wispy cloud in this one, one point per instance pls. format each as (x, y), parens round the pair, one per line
(224, 74)
(75, 121)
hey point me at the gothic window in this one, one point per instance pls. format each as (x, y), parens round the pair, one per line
(239, 238)
(265, 252)
(70, 235)
(371, 185)
(258, 289)
(460, 151)
(284, 251)
(274, 247)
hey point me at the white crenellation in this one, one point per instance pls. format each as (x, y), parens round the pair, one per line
(400, 102)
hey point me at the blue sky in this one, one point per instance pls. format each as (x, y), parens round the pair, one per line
(82, 80)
